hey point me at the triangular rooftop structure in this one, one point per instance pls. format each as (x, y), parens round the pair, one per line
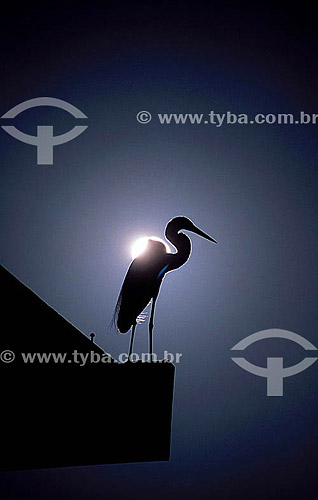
(66, 414)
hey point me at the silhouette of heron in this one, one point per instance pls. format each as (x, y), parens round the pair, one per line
(146, 272)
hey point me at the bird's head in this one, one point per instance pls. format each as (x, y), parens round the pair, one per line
(178, 223)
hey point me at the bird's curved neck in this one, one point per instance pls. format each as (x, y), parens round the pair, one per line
(182, 243)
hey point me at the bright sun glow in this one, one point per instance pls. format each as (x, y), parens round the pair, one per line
(140, 245)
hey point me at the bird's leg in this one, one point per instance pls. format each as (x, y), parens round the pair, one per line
(131, 341)
(151, 325)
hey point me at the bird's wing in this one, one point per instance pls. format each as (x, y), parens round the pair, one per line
(141, 283)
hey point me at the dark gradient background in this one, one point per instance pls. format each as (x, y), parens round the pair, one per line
(67, 229)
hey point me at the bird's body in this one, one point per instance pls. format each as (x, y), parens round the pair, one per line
(146, 272)
(141, 283)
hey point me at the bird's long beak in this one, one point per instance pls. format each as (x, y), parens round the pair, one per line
(198, 231)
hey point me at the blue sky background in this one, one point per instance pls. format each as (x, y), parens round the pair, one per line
(67, 229)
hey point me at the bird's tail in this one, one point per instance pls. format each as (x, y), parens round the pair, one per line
(114, 320)
(120, 322)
